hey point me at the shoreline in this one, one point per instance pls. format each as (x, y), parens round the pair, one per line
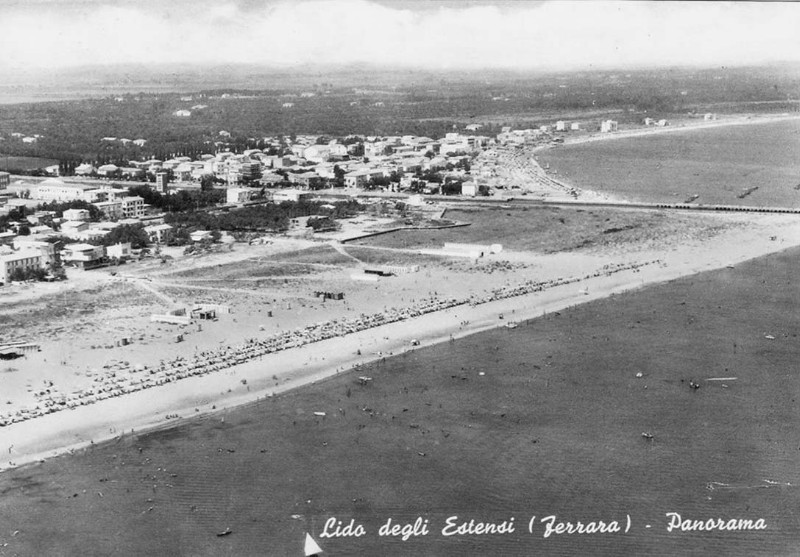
(753, 119)
(209, 395)
(652, 130)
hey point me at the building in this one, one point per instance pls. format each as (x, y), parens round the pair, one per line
(5, 180)
(85, 169)
(249, 171)
(84, 256)
(575, 127)
(469, 188)
(74, 229)
(359, 178)
(158, 233)
(162, 181)
(112, 210)
(132, 173)
(307, 179)
(240, 195)
(200, 235)
(6, 238)
(132, 207)
(34, 243)
(108, 171)
(120, 252)
(608, 126)
(129, 207)
(53, 189)
(24, 259)
(279, 196)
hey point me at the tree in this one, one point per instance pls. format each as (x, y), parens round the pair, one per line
(207, 182)
(339, 173)
(133, 233)
(19, 274)
(321, 224)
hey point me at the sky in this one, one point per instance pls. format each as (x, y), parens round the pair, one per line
(421, 34)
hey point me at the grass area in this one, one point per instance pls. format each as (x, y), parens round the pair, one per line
(719, 165)
(322, 255)
(372, 256)
(552, 427)
(549, 229)
(309, 261)
(24, 163)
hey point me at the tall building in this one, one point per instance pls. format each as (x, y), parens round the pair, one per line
(5, 180)
(162, 180)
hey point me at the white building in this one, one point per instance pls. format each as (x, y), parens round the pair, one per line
(82, 255)
(130, 207)
(240, 195)
(158, 233)
(84, 169)
(76, 215)
(119, 251)
(56, 190)
(23, 259)
(469, 189)
(607, 126)
(279, 196)
(108, 170)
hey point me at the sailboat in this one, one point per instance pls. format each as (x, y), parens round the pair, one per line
(311, 546)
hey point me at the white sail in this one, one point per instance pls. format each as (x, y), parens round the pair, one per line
(311, 546)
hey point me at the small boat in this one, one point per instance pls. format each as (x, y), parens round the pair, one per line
(511, 325)
(227, 532)
(647, 435)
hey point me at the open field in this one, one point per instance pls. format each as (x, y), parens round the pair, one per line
(430, 436)
(550, 230)
(719, 165)
(63, 309)
(24, 163)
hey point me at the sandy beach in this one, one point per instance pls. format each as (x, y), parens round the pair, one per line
(167, 405)
(687, 125)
